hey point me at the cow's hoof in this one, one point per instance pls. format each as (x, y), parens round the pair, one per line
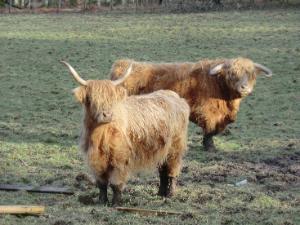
(116, 203)
(103, 200)
(210, 148)
(162, 191)
(208, 143)
(117, 196)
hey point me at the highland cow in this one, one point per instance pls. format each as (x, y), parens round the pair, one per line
(125, 134)
(213, 88)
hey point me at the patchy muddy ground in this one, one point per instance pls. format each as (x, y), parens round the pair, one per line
(40, 121)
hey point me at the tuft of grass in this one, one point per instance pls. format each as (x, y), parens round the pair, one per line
(266, 202)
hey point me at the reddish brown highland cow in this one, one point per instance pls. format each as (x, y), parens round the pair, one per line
(213, 88)
(122, 135)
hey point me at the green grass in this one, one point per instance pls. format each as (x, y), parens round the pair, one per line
(40, 121)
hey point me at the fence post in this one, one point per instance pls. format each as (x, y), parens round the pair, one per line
(58, 6)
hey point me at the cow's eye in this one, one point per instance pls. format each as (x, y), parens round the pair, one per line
(232, 78)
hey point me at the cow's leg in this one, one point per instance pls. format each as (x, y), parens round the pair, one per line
(167, 184)
(102, 185)
(117, 180)
(163, 177)
(117, 194)
(208, 142)
(171, 186)
(174, 163)
(209, 127)
(170, 170)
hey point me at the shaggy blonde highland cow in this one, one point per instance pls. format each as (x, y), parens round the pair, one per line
(213, 88)
(122, 135)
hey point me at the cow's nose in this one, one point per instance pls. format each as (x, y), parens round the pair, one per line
(243, 87)
(106, 114)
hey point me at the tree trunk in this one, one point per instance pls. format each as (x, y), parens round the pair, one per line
(111, 5)
(9, 6)
(84, 4)
(34, 4)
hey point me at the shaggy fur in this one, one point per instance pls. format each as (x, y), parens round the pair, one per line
(141, 132)
(214, 99)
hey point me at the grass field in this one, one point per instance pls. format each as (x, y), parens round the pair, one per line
(40, 120)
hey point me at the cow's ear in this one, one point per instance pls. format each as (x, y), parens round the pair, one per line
(216, 69)
(80, 94)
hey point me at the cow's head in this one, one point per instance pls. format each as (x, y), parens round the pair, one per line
(240, 74)
(97, 96)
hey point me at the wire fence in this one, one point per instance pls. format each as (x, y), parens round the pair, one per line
(14, 6)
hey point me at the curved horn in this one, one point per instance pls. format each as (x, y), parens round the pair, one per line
(266, 70)
(120, 80)
(74, 74)
(216, 69)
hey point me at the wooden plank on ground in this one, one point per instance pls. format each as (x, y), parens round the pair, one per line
(22, 209)
(42, 189)
(147, 211)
